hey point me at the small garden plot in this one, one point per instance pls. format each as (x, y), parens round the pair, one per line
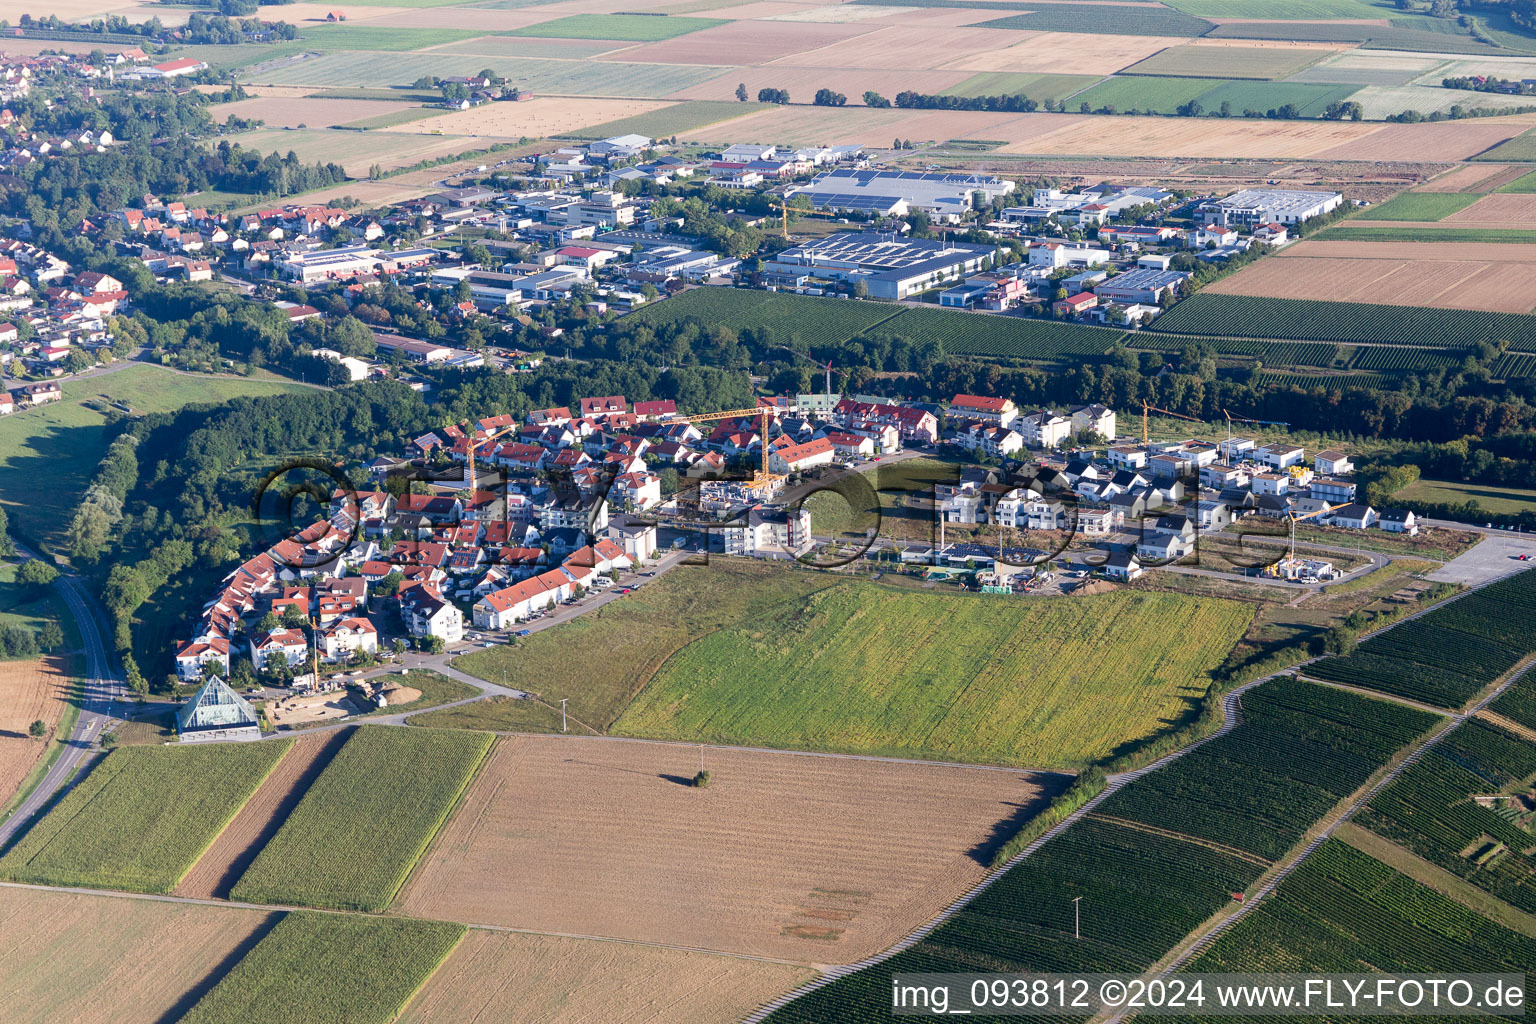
(1300, 749)
(329, 969)
(1467, 807)
(332, 852)
(142, 817)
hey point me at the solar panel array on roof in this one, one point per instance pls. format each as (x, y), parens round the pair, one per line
(849, 201)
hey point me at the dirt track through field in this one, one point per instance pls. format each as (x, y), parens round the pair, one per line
(226, 860)
(816, 859)
(29, 690)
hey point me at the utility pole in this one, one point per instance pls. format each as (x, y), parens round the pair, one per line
(562, 713)
(1077, 917)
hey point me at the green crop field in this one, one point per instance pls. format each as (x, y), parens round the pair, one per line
(574, 660)
(1520, 149)
(517, 46)
(1355, 232)
(1013, 83)
(1518, 703)
(369, 69)
(1419, 206)
(142, 817)
(1155, 95)
(1226, 62)
(1404, 360)
(1515, 364)
(376, 37)
(1316, 320)
(1100, 19)
(1344, 911)
(329, 969)
(1500, 500)
(668, 121)
(1447, 655)
(824, 321)
(1430, 810)
(864, 668)
(1525, 183)
(1310, 99)
(1141, 893)
(1417, 39)
(335, 849)
(629, 28)
(1301, 748)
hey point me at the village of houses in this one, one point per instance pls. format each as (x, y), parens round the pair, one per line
(502, 522)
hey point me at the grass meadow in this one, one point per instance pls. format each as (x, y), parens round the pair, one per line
(864, 668)
(62, 442)
(335, 850)
(142, 817)
(329, 969)
(1419, 206)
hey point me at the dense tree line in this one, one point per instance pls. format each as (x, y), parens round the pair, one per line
(226, 27)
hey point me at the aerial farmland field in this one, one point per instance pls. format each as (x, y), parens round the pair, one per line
(830, 671)
(329, 967)
(329, 852)
(141, 818)
(1237, 59)
(609, 838)
(81, 958)
(573, 980)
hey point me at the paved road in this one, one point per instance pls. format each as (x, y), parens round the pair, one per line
(102, 684)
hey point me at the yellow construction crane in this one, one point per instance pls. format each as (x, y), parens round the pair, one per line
(1145, 408)
(1284, 567)
(764, 413)
(472, 445)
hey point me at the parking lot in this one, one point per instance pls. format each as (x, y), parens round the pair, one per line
(1498, 555)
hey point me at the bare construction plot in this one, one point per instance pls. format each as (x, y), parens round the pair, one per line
(110, 960)
(1448, 275)
(803, 857)
(498, 978)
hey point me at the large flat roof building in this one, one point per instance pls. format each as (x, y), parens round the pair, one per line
(895, 193)
(890, 266)
(1269, 206)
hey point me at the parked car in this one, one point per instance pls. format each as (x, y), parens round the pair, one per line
(523, 632)
(624, 590)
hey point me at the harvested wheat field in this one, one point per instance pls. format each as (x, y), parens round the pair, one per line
(1190, 137)
(803, 857)
(298, 13)
(739, 42)
(833, 126)
(222, 864)
(474, 18)
(1473, 178)
(1444, 275)
(897, 46)
(29, 690)
(802, 83)
(1500, 210)
(544, 115)
(1443, 140)
(497, 978)
(302, 111)
(1065, 53)
(107, 959)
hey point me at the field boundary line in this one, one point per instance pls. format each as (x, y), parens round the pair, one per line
(1168, 833)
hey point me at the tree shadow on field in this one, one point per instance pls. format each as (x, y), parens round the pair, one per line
(194, 995)
(681, 780)
(1006, 828)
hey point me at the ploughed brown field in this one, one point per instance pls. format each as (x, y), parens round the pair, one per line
(1474, 178)
(109, 960)
(801, 857)
(29, 690)
(500, 978)
(242, 839)
(1449, 275)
